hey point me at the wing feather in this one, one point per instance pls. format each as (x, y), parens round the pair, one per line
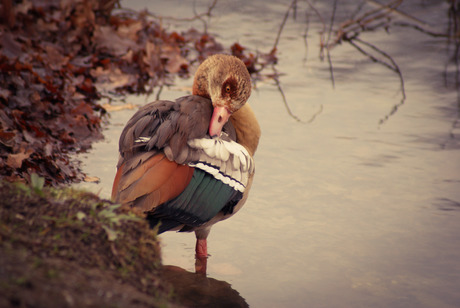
(132, 175)
(201, 200)
(152, 183)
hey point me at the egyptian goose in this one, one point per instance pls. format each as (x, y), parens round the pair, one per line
(182, 163)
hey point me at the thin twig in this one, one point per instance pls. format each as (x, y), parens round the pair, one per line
(353, 27)
(423, 30)
(159, 92)
(293, 6)
(395, 10)
(294, 10)
(457, 73)
(373, 58)
(357, 10)
(313, 117)
(454, 12)
(372, 15)
(323, 30)
(456, 18)
(453, 34)
(392, 111)
(394, 67)
(283, 96)
(305, 35)
(207, 14)
(331, 69)
(393, 62)
(280, 30)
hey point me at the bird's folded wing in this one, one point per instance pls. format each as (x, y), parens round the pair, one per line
(201, 200)
(167, 158)
(153, 182)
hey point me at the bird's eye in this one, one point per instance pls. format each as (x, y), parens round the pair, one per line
(227, 88)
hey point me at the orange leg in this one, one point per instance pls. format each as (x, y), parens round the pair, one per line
(201, 250)
(201, 247)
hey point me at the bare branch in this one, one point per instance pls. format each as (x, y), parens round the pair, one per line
(157, 97)
(280, 30)
(423, 30)
(394, 67)
(353, 27)
(280, 89)
(331, 69)
(205, 14)
(375, 59)
(305, 35)
(400, 13)
(313, 117)
(323, 30)
(454, 34)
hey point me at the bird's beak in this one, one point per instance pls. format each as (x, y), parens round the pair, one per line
(219, 117)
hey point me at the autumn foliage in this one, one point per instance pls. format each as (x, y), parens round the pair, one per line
(57, 58)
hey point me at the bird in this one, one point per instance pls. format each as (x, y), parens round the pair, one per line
(188, 164)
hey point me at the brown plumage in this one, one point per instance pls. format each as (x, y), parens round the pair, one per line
(182, 163)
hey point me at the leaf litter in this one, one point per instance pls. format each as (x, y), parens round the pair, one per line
(59, 58)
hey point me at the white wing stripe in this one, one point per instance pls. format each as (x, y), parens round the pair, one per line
(143, 139)
(221, 149)
(214, 171)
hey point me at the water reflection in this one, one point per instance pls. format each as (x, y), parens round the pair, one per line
(197, 290)
(446, 204)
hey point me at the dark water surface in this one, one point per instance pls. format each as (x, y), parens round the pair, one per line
(344, 211)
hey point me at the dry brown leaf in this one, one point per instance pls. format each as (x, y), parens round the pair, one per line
(130, 31)
(109, 41)
(10, 47)
(127, 106)
(110, 79)
(55, 58)
(151, 59)
(15, 160)
(91, 179)
(174, 60)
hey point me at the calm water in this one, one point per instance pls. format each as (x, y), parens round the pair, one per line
(344, 211)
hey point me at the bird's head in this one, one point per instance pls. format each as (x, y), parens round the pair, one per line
(226, 81)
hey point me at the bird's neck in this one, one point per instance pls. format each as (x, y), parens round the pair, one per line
(200, 82)
(247, 128)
